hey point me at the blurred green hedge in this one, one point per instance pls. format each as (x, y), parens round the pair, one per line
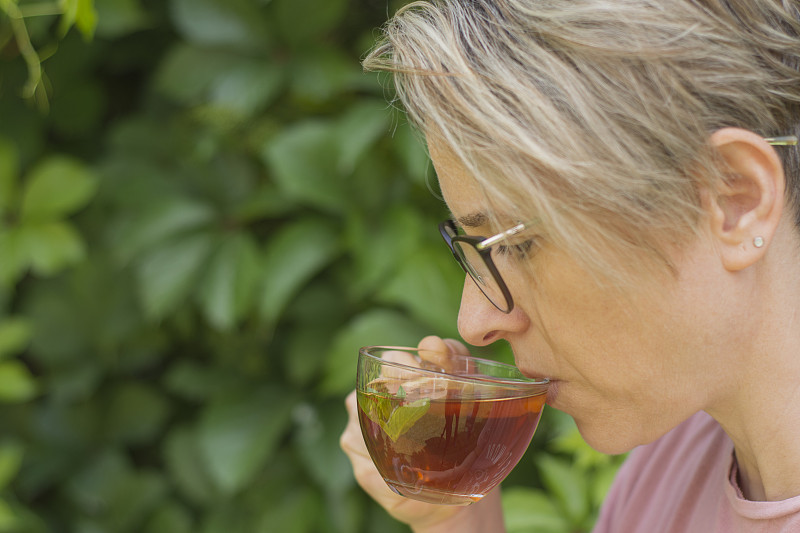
(206, 207)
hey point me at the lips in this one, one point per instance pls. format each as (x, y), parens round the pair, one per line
(552, 388)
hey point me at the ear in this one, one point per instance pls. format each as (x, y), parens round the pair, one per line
(748, 203)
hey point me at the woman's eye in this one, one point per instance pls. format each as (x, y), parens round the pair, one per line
(520, 250)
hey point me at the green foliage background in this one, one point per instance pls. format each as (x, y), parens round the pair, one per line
(206, 207)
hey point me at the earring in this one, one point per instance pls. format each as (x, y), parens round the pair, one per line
(758, 242)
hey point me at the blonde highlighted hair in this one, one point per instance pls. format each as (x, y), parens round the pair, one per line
(593, 115)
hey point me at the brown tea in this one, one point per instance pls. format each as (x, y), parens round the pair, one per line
(444, 450)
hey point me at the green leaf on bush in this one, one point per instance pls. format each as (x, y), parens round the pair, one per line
(135, 413)
(79, 13)
(235, 23)
(168, 274)
(317, 18)
(117, 18)
(321, 74)
(293, 256)
(170, 517)
(56, 187)
(360, 128)
(17, 385)
(296, 510)
(9, 174)
(304, 161)
(316, 438)
(14, 254)
(237, 436)
(187, 466)
(228, 288)
(15, 333)
(526, 510)
(376, 326)
(51, 246)
(567, 486)
(157, 221)
(11, 454)
(428, 284)
(246, 88)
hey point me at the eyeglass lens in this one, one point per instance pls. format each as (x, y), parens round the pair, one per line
(475, 265)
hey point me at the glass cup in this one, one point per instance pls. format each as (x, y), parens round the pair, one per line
(444, 428)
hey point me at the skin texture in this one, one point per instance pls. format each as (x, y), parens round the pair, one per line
(629, 366)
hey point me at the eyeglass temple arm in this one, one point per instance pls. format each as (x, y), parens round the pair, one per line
(784, 140)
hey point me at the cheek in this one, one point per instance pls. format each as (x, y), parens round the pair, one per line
(596, 335)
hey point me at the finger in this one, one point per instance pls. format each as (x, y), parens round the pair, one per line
(456, 347)
(435, 350)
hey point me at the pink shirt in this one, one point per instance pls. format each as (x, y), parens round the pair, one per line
(685, 482)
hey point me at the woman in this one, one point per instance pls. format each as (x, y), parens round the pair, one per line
(643, 153)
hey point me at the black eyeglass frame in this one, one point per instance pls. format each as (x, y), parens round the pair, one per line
(479, 244)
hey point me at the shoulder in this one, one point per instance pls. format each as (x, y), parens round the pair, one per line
(681, 470)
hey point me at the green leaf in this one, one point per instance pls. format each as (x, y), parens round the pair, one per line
(378, 249)
(79, 13)
(135, 413)
(117, 18)
(404, 417)
(168, 274)
(11, 454)
(236, 23)
(51, 246)
(304, 159)
(197, 382)
(228, 287)
(137, 495)
(427, 283)
(56, 187)
(527, 510)
(14, 254)
(187, 466)
(601, 480)
(157, 221)
(297, 510)
(293, 256)
(360, 128)
(321, 74)
(246, 88)
(9, 174)
(317, 18)
(567, 485)
(237, 436)
(410, 149)
(170, 517)
(9, 521)
(317, 441)
(15, 333)
(395, 418)
(17, 385)
(377, 326)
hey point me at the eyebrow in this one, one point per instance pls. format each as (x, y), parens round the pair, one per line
(473, 220)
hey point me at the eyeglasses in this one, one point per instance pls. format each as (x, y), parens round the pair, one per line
(473, 253)
(785, 140)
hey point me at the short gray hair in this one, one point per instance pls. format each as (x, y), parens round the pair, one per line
(594, 115)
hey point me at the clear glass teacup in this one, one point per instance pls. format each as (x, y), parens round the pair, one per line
(444, 428)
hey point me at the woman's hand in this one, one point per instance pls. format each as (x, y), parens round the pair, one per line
(485, 516)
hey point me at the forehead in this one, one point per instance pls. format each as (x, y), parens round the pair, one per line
(461, 191)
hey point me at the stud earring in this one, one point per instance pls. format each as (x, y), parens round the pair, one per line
(758, 242)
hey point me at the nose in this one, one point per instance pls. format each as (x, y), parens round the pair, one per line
(481, 323)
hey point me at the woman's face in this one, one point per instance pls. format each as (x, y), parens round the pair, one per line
(628, 367)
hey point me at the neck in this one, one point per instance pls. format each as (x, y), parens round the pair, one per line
(760, 415)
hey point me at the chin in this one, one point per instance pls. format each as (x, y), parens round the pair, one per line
(612, 438)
